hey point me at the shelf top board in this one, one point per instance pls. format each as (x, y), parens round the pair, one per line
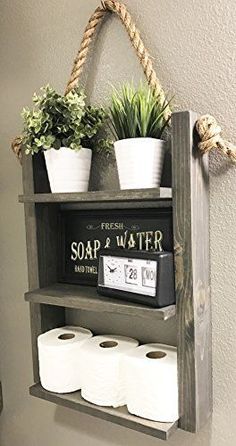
(86, 298)
(118, 416)
(161, 193)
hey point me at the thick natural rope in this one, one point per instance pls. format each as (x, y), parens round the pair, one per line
(144, 57)
(16, 147)
(208, 130)
(210, 134)
(95, 19)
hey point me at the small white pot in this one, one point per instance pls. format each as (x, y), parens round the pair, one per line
(139, 162)
(68, 170)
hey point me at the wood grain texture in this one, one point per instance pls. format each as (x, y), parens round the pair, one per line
(142, 195)
(87, 298)
(191, 239)
(32, 257)
(42, 318)
(47, 242)
(107, 205)
(118, 416)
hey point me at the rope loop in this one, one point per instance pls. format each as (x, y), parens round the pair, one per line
(144, 57)
(208, 130)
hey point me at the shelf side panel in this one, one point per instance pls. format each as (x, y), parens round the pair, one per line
(42, 317)
(191, 240)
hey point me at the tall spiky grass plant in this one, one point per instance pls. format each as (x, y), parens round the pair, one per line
(136, 113)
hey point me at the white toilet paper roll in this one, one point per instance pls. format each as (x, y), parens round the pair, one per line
(59, 358)
(102, 380)
(150, 374)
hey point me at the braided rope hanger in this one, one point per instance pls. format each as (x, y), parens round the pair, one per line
(206, 126)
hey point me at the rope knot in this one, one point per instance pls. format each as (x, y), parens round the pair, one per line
(210, 134)
(16, 147)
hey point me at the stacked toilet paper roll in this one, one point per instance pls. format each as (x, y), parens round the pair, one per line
(151, 385)
(103, 382)
(59, 358)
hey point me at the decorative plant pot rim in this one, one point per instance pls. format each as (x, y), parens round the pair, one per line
(141, 138)
(68, 153)
(69, 148)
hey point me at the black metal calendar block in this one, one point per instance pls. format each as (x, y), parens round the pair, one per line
(137, 276)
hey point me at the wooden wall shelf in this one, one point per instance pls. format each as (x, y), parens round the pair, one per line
(126, 199)
(48, 299)
(87, 298)
(161, 193)
(118, 416)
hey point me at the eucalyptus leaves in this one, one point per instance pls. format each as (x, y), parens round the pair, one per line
(62, 121)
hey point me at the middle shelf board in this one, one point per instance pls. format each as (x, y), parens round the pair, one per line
(86, 298)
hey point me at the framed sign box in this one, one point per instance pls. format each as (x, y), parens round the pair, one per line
(83, 234)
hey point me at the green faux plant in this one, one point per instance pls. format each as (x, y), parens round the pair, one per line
(136, 113)
(62, 121)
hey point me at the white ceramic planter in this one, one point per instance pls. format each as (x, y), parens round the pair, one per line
(68, 170)
(139, 162)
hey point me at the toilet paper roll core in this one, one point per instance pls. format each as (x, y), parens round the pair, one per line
(158, 354)
(108, 344)
(66, 336)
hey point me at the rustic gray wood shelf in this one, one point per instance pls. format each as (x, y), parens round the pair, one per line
(118, 416)
(145, 198)
(48, 300)
(162, 193)
(87, 298)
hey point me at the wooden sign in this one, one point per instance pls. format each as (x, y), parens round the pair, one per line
(84, 234)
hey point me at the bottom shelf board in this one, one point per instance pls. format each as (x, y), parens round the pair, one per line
(118, 416)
